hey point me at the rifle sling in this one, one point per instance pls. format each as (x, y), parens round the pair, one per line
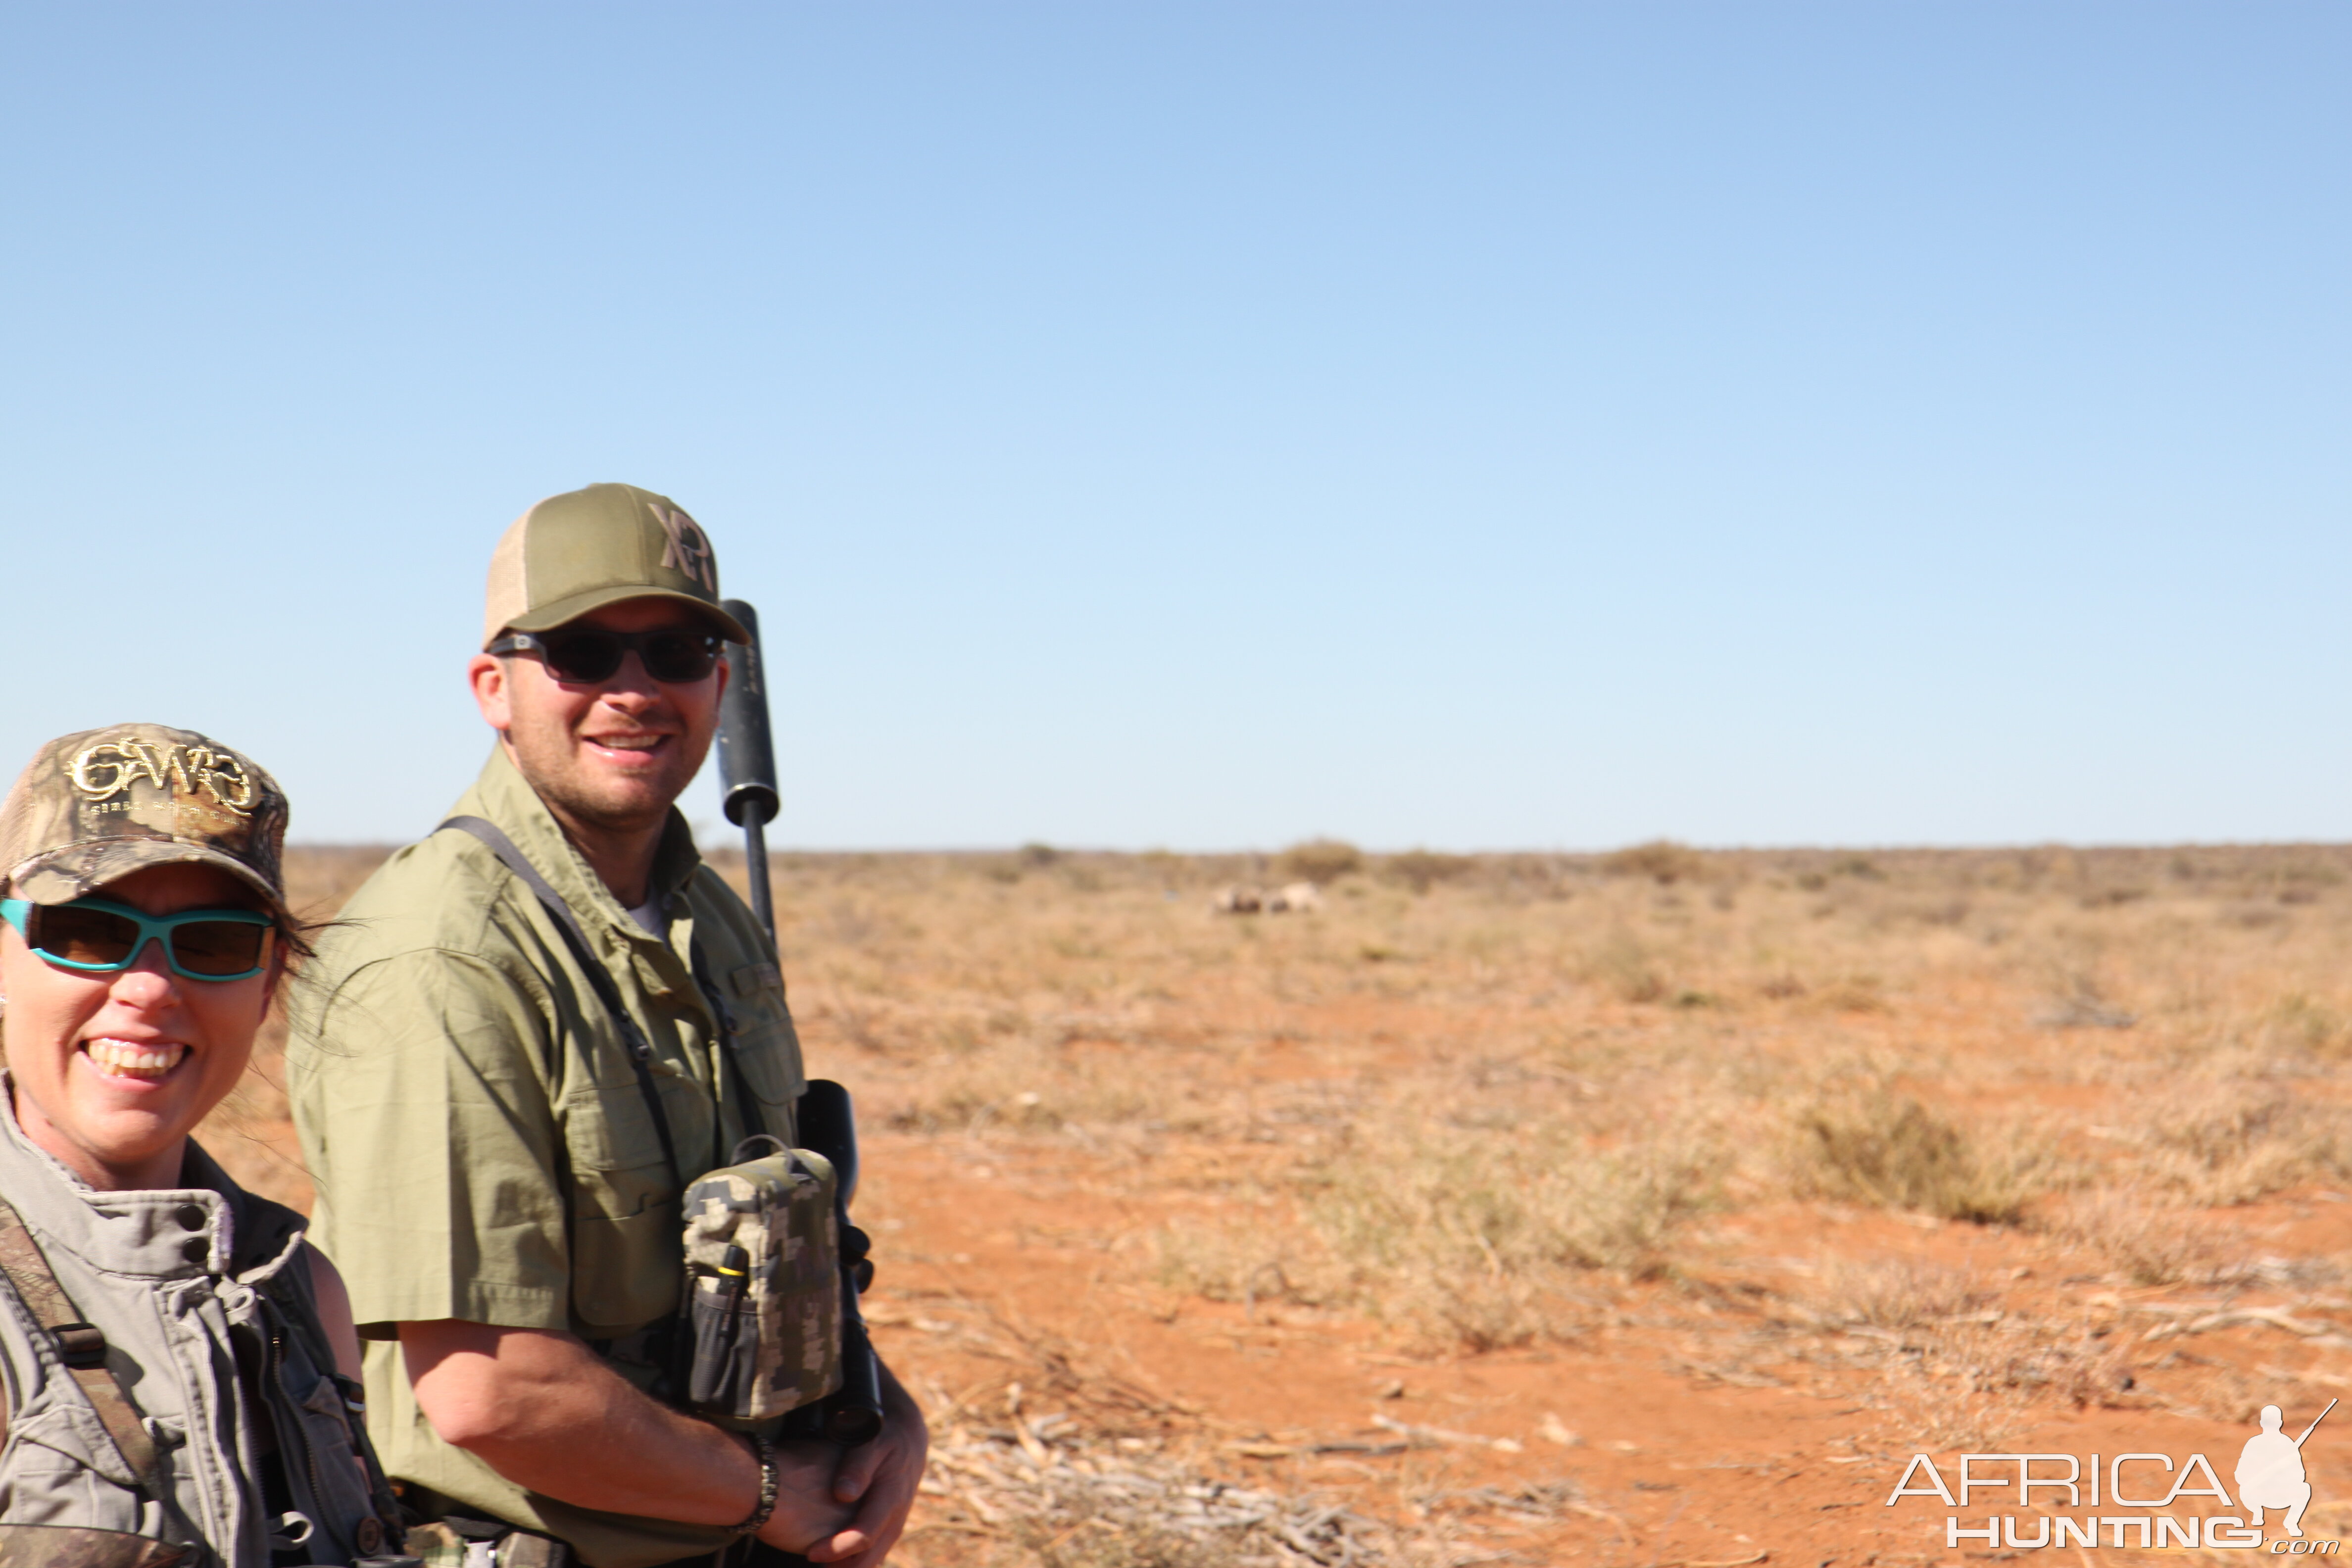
(640, 1049)
(754, 1124)
(35, 1284)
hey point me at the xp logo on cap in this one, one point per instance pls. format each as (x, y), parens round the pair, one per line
(587, 548)
(689, 548)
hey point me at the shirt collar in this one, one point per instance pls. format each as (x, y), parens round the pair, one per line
(503, 795)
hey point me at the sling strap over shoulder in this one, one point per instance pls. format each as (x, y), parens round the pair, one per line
(754, 1124)
(79, 1346)
(640, 1049)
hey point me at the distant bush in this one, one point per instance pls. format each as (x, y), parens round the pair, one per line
(1662, 859)
(1419, 868)
(1321, 861)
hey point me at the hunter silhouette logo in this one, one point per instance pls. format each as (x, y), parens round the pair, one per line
(2271, 1476)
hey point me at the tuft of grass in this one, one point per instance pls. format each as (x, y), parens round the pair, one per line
(1891, 1151)
(2148, 1246)
(1479, 1236)
(2234, 1141)
(1421, 869)
(1626, 967)
(1249, 1264)
(1662, 860)
(1050, 1543)
(1021, 1087)
(1321, 861)
(1901, 1294)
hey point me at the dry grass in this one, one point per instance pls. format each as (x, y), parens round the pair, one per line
(1481, 1235)
(1518, 1101)
(1534, 1066)
(1877, 1146)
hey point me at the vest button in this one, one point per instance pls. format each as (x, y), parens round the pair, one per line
(190, 1216)
(196, 1249)
(368, 1536)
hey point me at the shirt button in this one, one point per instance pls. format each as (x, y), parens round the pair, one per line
(190, 1216)
(196, 1249)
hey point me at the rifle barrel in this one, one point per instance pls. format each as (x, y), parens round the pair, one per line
(2314, 1423)
(747, 781)
(747, 759)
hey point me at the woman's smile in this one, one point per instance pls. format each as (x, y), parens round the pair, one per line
(147, 1061)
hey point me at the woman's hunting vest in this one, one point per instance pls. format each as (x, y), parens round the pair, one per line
(169, 1397)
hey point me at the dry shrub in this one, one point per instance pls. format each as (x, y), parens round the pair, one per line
(2233, 1142)
(2297, 1022)
(1021, 1087)
(1968, 1371)
(2020, 1362)
(1102, 1543)
(1900, 1294)
(1321, 861)
(1420, 869)
(1478, 1235)
(1862, 994)
(1248, 1263)
(1889, 1151)
(1627, 968)
(1661, 860)
(2148, 1246)
(1073, 1502)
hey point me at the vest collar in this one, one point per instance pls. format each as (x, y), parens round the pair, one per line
(153, 1234)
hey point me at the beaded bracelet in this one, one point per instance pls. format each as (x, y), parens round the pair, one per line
(765, 1452)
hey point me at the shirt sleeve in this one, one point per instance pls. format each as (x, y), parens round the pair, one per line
(432, 1138)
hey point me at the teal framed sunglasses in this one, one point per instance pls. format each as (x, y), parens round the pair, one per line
(99, 936)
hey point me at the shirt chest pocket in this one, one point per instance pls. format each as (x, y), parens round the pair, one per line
(766, 1047)
(625, 1229)
(609, 1130)
(608, 1127)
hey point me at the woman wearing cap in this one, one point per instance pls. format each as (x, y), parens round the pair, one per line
(176, 1361)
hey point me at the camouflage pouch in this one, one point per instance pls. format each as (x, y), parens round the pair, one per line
(764, 1278)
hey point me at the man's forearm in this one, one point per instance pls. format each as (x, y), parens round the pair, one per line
(547, 1413)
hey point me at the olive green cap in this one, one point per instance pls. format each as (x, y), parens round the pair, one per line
(95, 806)
(585, 549)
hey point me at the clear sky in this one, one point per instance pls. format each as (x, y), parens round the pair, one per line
(1206, 424)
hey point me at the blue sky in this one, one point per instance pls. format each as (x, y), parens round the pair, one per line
(1205, 425)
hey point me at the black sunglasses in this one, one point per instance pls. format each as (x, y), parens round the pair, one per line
(587, 655)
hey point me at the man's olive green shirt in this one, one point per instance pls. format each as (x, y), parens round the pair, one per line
(481, 1146)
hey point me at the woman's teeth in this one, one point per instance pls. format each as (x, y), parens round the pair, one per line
(120, 1059)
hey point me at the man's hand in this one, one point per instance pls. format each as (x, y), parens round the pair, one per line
(880, 1477)
(544, 1411)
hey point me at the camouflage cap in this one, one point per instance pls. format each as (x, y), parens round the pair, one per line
(98, 806)
(585, 549)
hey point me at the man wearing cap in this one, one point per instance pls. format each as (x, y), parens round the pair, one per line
(492, 1170)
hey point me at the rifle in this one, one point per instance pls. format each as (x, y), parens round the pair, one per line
(2314, 1423)
(827, 1121)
